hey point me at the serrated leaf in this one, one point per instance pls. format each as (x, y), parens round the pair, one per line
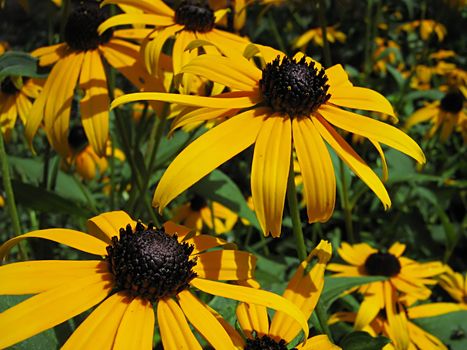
(19, 64)
(363, 341)
(335, 286)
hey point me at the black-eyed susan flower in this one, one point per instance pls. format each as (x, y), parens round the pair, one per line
(315, 35)
(304, 290)
(190, 20)
(140, 267)
(80, 61)
(290, 102)
(406, 278)
(455, 284)
(15, 100)
(198, 214)
(445, 116)
(426, 28)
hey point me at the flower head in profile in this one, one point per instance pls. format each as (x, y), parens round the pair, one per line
(304, 290)
(315, 35)
(79, 61)
(426, 28)
(407, 279)
(15, 100)
(139, 268)
(291, 103)
(445, 116)
(198, 214)
(455, 284)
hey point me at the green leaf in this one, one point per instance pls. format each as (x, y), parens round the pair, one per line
(220, 188)
(363, 341)
(42, 200)
(398, 77)
(42, 341)
(335, 286)
(450, 328)
(19, 64)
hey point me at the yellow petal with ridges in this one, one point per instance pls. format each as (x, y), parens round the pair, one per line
(270, 171)
(253, 318)
(206, 153)
(252, 296)
(361, 98)
(226, 265)
(338, 78)
(107, 225)
(205, 242)
(153, 49)
(204, 321)
(384, 165)
(318, 342)
(135, 18)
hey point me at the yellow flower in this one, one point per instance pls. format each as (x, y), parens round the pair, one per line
(2, 201)
(197, 213)
(384, 54)
(15, 95)
(191, 20)
(274, 110)
(303, 290)
(79, 60)
(315, 35)
(446, 115)
(427, 28)
(456, 285)
(407, 278)
(139, 268)
(238, 9)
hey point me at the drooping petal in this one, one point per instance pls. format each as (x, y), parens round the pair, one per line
(50, 54)
(432, 309)
(174, 329)
(71, 238)
(396, 317)
(135, 19)
(23, 105)
(136, 329)
(206, 153)
(52, 307)
(32, 277)
(152, 49)
(269, 172)
(384, 165)
(252, 296)
(99, 329)
(370, 307)
(226, 265)
(423, 114)
(205, 242)
(371, 128)
(204, 321)
(361, 98)
(107, 225)
(253, 318)
(201, 115)
(317, 171)
(352, 159)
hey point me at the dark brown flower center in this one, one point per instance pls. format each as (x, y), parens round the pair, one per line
(382, 264)
(296, 88)
(8, 87)
(265, 343)
(81, 27)
(150, 263)
(195, 15)
(77, 138)
(197, 203)
(452, 102)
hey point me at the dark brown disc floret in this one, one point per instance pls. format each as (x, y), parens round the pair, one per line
(296, 88)
(452, 102)
(149, 263)
(265, 343)
(81, 27)
(382, 264)
(195, 15)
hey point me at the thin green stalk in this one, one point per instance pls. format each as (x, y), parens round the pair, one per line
(323, 318)
(347, 206)
(323, 24)
(10, 196)
(295, 215)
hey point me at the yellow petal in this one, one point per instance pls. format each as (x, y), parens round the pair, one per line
(152, 49)
(151, 6)
(99, 329)
(52, 307)
(355, 254)
(205, 242)
(252, 296)
(135, 18)
(361, 98)
(107, 225)
(318, 342)
(397, 319)
(352, 159)
(206, 153)
(422, 115)
(227, 265)
(269, 172)
(432, 309)
(253, 318)
(136, 329)
(204, 321)
(338, 78)
(384, 165)
(397, 249)
(200, 115)
(71, 238)
(317, 171)
(174, 329)
(369, 309)
(374, 129)
(32, 277)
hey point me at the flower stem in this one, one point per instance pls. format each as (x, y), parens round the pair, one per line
(323, 319)
(295, 214)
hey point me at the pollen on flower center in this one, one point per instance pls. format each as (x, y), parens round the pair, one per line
(150, 263)
(81, 27)
(296, 88)
(197, 203)
(195, 15)
(8, 87)
(265, 343)
(382, 264)
(77, 138)
(452, 102)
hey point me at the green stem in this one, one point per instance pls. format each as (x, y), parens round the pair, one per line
(295, 215)
(323, 319)
(347, 206)
(323, 24)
